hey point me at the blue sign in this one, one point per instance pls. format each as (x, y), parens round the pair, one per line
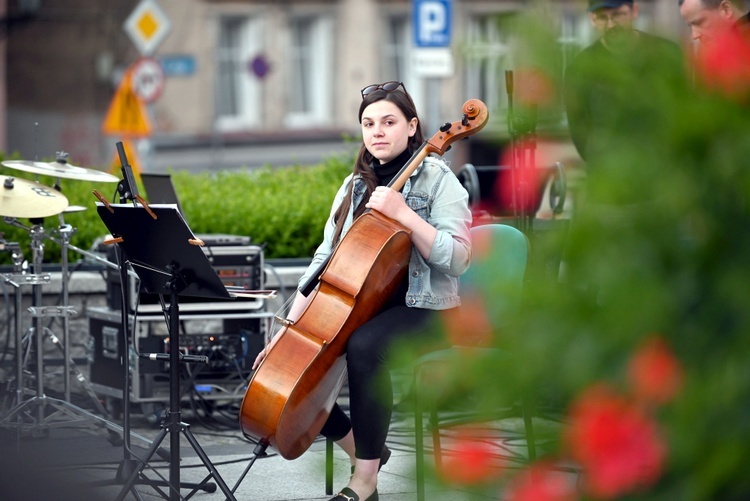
(178, 65)
(431, 23)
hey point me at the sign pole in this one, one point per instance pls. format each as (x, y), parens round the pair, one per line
(433, 59)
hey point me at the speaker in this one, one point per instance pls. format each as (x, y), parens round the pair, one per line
(230, 358)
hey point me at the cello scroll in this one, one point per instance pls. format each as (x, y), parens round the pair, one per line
(474, 119)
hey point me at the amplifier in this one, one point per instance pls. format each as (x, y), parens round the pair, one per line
(235, 265)
(230, 359)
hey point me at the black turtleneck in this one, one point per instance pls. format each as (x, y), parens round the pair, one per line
(385, 173)
(388, 170)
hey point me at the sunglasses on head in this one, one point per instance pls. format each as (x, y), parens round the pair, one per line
(387, 86)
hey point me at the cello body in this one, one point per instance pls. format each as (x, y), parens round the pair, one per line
(294, 389)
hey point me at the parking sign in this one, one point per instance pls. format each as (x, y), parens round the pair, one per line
(431, 23)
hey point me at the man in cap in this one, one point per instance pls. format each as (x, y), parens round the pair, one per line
(613, 87)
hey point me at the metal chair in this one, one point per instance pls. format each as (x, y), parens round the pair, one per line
(497, 272)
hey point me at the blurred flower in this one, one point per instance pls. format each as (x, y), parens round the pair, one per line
(533, 87)
(481, 245)
(654, 372)
(541, 482)
(472, 460)
(724, 64)
(616, 443)
(520, 186)
(469, 325)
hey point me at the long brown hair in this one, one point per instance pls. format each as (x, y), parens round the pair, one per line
(363, 166)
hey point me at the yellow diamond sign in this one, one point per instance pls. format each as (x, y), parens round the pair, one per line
(147, 26)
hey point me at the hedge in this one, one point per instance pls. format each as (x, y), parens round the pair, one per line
(283, 208)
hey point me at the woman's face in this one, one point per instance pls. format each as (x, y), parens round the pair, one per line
(385, 130)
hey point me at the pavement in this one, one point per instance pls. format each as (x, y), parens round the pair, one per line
(66, 459)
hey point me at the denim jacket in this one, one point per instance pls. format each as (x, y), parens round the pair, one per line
(433, 192)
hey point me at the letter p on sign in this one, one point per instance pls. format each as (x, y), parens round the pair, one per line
(432, 23)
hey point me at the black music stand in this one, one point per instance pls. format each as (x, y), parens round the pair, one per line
(167, 257)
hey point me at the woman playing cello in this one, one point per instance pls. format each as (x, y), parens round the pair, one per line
(433, 205)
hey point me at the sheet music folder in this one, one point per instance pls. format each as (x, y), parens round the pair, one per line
(154, 247)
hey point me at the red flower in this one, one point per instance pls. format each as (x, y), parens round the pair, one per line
(469, 459)
(654, 372)
(533, 87)
(469, 325)
(616, 443)
(519, 188)
(724, 64)
(542, 483)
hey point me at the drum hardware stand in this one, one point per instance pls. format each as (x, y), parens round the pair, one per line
(65, 231)
(36, 333)
(64, 311)
(21, 415)
(17, 279)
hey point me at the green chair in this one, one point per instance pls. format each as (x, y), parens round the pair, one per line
(496, 278)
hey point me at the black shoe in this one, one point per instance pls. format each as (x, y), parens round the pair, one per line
(384, 457)
(347, 494)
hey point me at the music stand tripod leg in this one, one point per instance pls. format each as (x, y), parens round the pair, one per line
(175, 426)
(129, 464)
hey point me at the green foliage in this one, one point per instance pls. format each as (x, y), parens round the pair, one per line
(284, 208)
(663, 251)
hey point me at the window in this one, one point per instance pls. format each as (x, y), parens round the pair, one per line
(310, 71)
(238, 93)
(396, 49)
(486, 58)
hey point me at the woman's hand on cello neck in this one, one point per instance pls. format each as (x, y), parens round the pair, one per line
(388, 202)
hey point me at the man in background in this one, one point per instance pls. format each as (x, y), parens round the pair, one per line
(709, 18)
(614, 95)
(720, 30)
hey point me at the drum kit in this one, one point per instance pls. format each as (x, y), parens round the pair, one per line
(26, 199)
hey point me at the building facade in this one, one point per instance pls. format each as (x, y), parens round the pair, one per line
(280, 74)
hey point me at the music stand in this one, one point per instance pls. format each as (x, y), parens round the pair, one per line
(167, 257)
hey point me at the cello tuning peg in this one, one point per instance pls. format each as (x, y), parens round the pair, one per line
(465, 120)
(445, 127)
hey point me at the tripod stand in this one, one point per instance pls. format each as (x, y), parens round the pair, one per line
(63, 310)
(31, 415)
(164, 253)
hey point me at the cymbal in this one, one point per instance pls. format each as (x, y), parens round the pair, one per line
(61, 168)
(29, 199)
(74, 208)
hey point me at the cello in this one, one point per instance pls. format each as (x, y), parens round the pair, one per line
(293, 390)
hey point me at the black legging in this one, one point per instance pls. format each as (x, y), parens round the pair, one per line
(370, 389)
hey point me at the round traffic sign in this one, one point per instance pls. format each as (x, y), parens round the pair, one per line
(148, 79)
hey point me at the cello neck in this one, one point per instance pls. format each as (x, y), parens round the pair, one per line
(399, 180)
